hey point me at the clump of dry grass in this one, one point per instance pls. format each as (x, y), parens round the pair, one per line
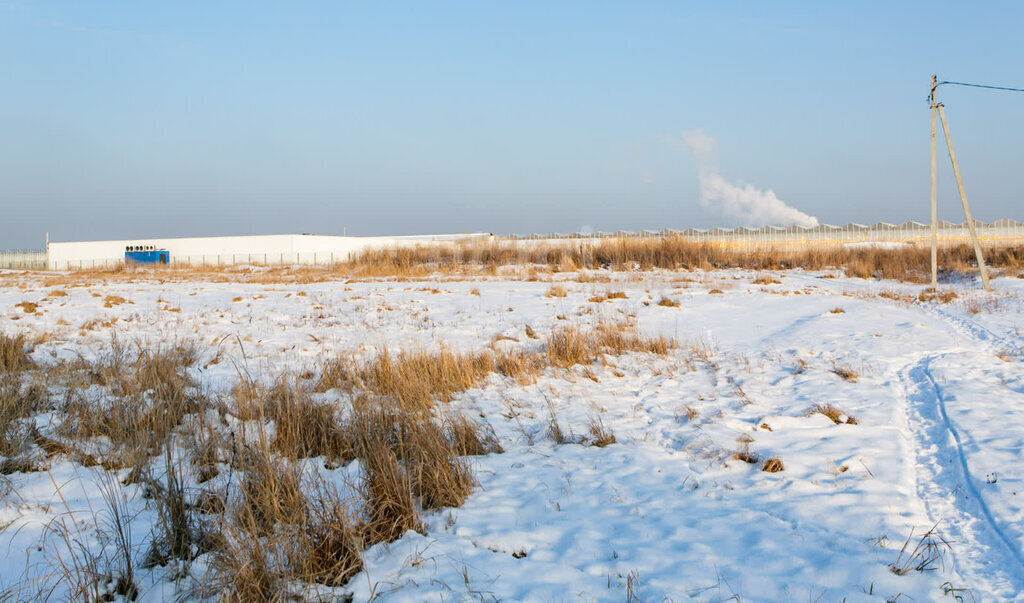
(271, 493)
(469, 438)
(716, 292)
(668, 302)
(14, 353)
(114, 300)
(746, 455)
(521, 366)
(846, 372)
(837, 310)
(571, 346)
(387, 490)
(943, 297)
(17, 403)
(27, 307)
(835, 414)
(765, 279)
(303, 427)
(567, 347)
(600, 435)
(618, 338)
(772, 465)
(326, 543)
(556, 291)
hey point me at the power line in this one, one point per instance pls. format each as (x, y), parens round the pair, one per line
(981, 86)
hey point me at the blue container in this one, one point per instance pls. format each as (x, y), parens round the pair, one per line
(143, 254)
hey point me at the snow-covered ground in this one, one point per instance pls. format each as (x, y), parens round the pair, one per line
(938, 437)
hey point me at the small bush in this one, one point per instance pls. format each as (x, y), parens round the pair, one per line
(772, 465)
(668, 302)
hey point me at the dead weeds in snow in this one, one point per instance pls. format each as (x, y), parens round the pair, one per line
(835, 414)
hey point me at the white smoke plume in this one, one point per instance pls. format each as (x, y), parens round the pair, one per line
(752, 206)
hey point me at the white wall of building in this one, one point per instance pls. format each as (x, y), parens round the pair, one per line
(261, 249)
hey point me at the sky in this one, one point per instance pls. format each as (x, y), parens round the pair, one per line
(143, 119)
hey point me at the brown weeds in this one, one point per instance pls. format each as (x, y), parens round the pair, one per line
(14, 353)
(837, 415)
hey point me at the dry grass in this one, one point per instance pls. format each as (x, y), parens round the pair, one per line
(941, 296)
(772, 465)
(766, 280)
(667, 302)
(469, 438)
(521, 366)
(150, 393)
(27, 307)
(413, 379)
(600, 435)
(837, 310)
(265, 527)
(846, 372)
(746, 455)
(18, 403)
(14, 353)
(556, 291)
(835, 414)
(567, 347)
(303, 427)
(907, 264)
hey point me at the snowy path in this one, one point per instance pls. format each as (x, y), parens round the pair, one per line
(950, 489)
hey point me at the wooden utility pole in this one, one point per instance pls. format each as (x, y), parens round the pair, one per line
(935, 223)
(963, 199)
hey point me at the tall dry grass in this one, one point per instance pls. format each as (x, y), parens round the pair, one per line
(909, 263)
(269, 524)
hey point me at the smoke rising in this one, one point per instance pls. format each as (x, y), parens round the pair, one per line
(752, 206)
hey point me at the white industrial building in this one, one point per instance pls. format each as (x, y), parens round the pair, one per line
(260, 249)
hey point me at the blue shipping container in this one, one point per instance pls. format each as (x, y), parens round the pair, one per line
(153, 256)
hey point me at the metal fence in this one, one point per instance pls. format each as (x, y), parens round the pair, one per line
(231, 259)
(1000, 232)
(30, 259)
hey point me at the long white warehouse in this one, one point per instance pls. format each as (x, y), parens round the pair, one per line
(261, 249)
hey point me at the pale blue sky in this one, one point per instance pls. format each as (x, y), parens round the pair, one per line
(135, 119)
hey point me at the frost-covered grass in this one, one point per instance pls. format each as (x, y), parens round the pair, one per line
(598, 435)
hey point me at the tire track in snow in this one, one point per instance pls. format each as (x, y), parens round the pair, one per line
(973, 329)
(938, 438)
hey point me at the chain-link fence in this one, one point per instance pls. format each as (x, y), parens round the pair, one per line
(31, 259)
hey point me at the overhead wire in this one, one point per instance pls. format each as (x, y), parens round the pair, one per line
(988, 86)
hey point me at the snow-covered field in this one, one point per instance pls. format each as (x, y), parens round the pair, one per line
(931, 433)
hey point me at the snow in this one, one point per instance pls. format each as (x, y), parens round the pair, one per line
(665, 511)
